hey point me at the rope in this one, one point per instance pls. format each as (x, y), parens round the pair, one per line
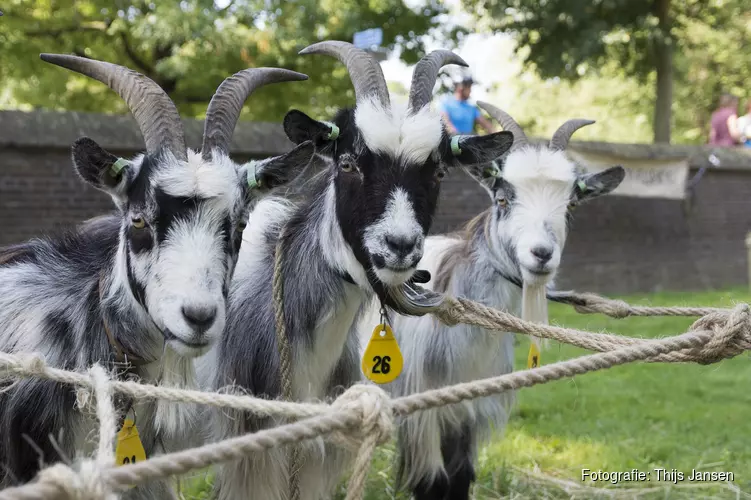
(590, 303)
(364, 413)
(285, 362)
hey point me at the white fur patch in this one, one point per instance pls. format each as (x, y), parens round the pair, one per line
(398, 222)
(539, 165)
(217, 179)
(410, 137)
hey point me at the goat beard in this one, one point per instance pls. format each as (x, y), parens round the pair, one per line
(535, 308)
(179, 372)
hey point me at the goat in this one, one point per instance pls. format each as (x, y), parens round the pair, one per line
(517, 239)
(142, 290)
(358, 232)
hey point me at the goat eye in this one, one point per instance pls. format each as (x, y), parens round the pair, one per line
(347, 166)
(138, 222)
(572, 205)
(241, 225)
(502, 202)
(440, 174)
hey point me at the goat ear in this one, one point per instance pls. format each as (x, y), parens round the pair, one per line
(279, 170)
(471, 150)
(299, 128)
(100, 168)
(486, 174)
(600, 183)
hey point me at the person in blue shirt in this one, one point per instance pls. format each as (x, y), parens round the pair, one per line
(461, 116)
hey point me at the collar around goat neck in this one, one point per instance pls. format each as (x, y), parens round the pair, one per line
(122, 356)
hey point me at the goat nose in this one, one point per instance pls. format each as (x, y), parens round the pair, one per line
(401, 245)
(199, 317)
(543, 254)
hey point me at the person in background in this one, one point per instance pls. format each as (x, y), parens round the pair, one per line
(459, 114)
(744, 126)
(723, 124)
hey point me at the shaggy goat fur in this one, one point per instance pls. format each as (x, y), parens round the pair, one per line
(518, 239)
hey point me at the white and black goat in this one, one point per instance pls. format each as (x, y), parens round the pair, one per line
(518, 239)
(359, 232)
(143, 290)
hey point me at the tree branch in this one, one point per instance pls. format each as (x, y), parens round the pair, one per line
(139, 62)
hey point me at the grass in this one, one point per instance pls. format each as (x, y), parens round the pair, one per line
(637, 416)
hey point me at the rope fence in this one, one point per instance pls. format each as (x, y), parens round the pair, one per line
(363, 416)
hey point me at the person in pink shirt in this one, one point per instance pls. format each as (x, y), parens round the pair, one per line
(723, 130)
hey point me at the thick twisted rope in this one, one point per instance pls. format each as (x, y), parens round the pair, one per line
(285, 361)
(363, 412)
(458, 310)
(590, 303)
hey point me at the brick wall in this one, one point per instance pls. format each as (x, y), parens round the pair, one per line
(616, 243)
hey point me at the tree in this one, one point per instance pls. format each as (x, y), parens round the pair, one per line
(571, 39)
(189, 47)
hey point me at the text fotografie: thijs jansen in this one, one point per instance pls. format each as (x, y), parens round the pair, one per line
(668, 475)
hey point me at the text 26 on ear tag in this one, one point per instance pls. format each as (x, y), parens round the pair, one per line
(533, 358)
(382, 361)
(129, 447)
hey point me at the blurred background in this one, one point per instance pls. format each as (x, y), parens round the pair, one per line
(647, 69)
(668, 81)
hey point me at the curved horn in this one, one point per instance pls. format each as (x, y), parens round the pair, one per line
(364, 71)
(425, 75)
(563, 134)
(508, 123)
(224, 108)
(154, 111)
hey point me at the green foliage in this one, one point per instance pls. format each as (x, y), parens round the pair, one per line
(613, 40)
(189, 47)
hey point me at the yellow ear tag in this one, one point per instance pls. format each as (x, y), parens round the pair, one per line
(129, 447)
(382, 361)
(533, 358)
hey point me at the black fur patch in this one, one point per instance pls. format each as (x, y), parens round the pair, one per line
(171, 209)
(139, 240)
(456, 448)
(139, 291)
(36, 409)
(59, 334)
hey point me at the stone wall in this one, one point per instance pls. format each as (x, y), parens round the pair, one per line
(616, 244)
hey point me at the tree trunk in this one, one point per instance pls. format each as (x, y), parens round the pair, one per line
(664, 67)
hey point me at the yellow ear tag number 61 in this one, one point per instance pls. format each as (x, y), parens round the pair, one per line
(382, 362)
(129, 448)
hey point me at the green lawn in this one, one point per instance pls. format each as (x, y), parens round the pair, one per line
(642, 416)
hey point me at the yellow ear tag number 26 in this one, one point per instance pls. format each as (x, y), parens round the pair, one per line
(533, 358)
(382, 362)
(129, 447)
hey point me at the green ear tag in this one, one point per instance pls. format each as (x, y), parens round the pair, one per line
(118, 166)
(455, 149)
(493, 171)
(252, 180)
(334, 134)
(582, 185)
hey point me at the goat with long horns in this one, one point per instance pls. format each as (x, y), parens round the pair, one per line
(358, 234)
(517, 240)
(144, 289)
